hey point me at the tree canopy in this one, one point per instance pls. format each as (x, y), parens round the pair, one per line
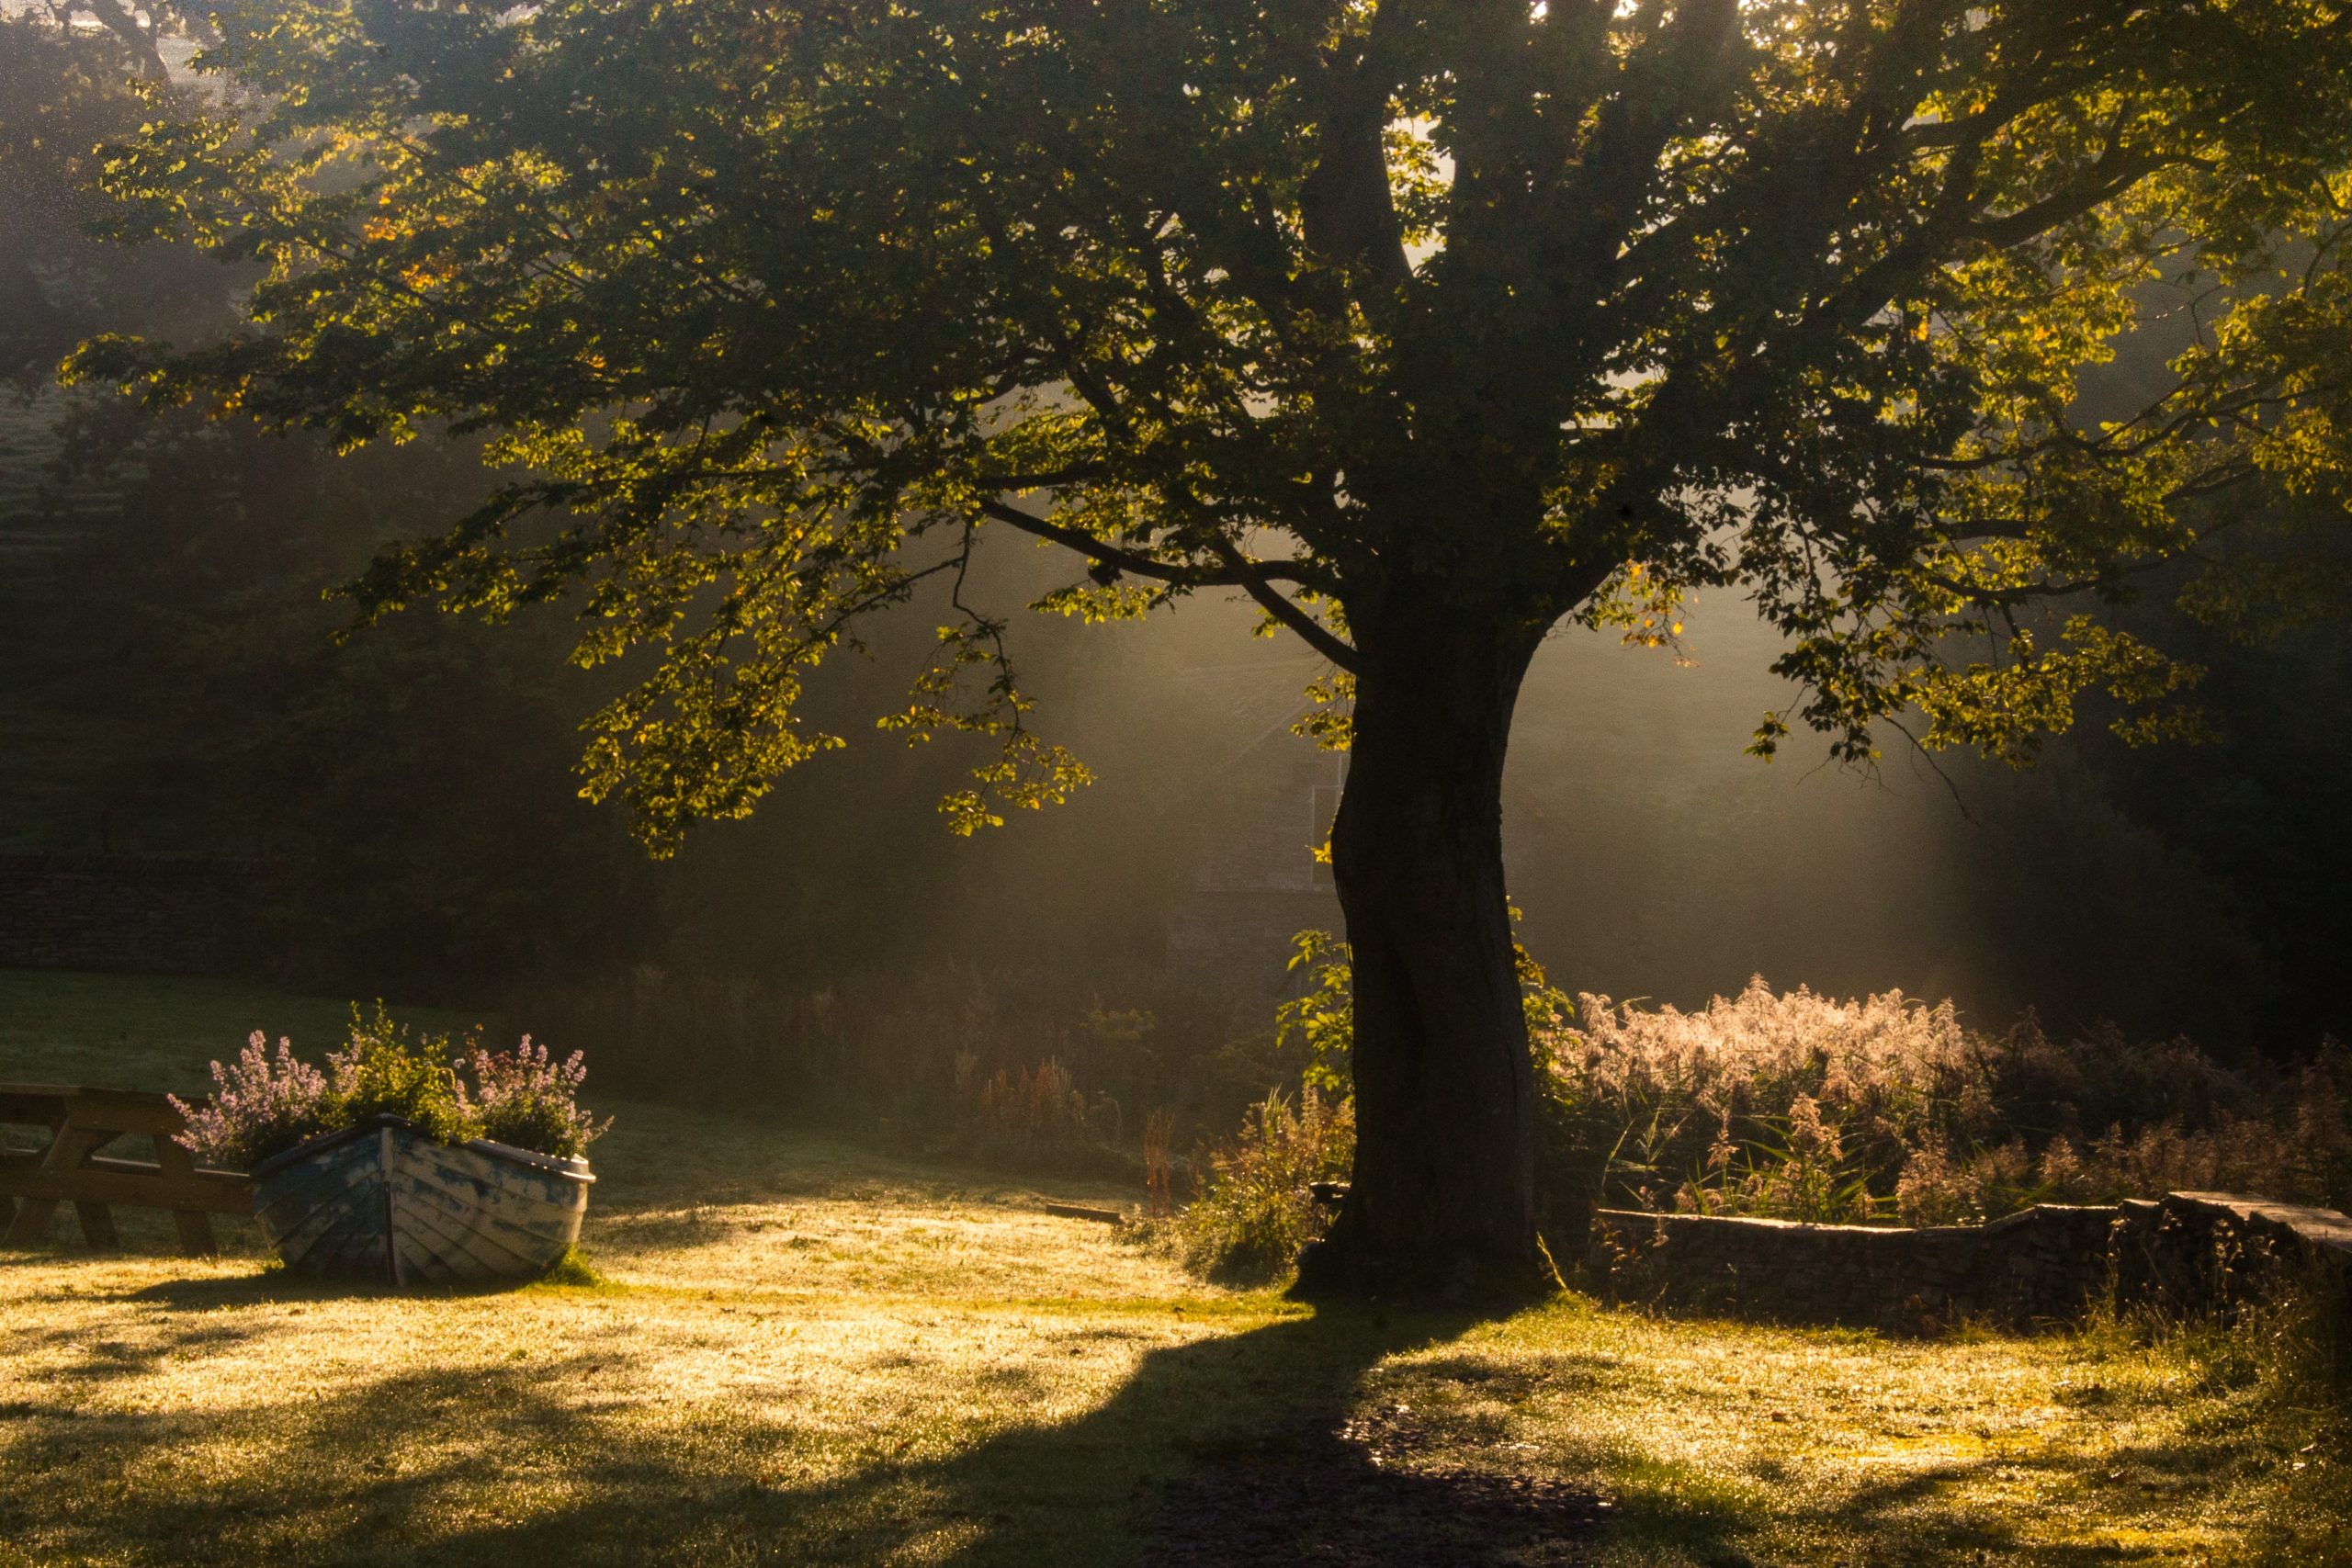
(1429, 326)
(1565, 310)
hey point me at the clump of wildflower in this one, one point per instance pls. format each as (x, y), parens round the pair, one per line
(263, 1103)
(526, 1099)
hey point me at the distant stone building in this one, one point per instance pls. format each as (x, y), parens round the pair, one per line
(1266, 807)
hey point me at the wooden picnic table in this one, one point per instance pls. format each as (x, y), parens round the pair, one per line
(70, 1169)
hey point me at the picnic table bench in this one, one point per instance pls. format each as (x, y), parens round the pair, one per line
(70, 1169)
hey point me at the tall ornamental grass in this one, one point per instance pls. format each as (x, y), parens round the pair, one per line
(1800, 1106)
(1791, 1105)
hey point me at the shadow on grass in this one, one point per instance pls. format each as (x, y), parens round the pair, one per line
(1238, 1449)
(423, 1467)
(268, 1286)
(1937, 1514)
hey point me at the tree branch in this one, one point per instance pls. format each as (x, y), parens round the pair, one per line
(118, 20)
(1240, 571)
(1314, 633)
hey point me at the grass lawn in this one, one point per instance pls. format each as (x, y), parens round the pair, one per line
(793, 1350)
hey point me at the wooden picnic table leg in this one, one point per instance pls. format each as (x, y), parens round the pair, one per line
(195, 1224)
(68, 1147)
(98, 1224)
(31, 1219)
(97, 1220)
(24, 1222)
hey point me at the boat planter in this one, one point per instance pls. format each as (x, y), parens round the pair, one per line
(382, 1201)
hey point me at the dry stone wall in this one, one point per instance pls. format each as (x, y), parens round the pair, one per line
(2212, 1252)
(2189, 1252)
(154, 914)
(2043, 1263)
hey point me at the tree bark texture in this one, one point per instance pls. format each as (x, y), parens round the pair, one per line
(1443, 1201)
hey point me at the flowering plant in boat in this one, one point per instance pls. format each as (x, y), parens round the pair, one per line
(261, 1103)
(406, 1161)
(268, 1102)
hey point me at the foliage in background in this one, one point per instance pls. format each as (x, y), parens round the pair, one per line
(1036, 1068)
(1789, 1105)
(1797, 1106)
(63, 91)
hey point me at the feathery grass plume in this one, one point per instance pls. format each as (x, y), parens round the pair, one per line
(1801, 1106)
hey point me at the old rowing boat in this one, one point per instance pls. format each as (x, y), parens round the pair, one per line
(382, 1201)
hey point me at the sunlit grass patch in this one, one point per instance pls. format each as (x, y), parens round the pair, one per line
(781, 1348)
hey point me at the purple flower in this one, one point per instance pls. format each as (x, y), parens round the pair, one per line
(261, 1104)
(527, 1099)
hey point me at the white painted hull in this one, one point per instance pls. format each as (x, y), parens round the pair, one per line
(384, 1202)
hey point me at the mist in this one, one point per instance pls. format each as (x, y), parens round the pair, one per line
(178, 687)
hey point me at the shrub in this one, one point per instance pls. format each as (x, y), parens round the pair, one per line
(383, 1070)
(525, 1099)
(1255, 1211)
(263, 1104)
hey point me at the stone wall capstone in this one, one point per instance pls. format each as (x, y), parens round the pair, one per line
(2045, 1263)
(2188, 1253)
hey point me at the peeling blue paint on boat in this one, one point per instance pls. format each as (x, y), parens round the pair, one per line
(382, 1201)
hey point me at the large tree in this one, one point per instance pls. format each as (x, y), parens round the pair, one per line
(1428, 324)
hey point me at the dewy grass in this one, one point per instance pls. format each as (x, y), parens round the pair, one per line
(791, 1350)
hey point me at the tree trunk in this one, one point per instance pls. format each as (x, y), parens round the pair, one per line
(1443, 1201)
(118, 20)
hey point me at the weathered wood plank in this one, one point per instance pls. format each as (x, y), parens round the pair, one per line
(125, 1182)
(124, 1110)
(388, 1204)
(69, 1146)
(177, 1166)
(81, 1121)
